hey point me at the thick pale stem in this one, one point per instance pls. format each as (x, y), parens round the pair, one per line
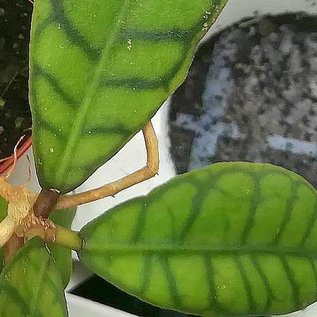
(57, 235)
(68, 238)
(5, 189)
(7, 227)
(113, 188)
(12, 247)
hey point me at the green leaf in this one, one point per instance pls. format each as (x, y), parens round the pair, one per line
(31, 285)
(232, 239)
(99, 70)
(3, 208)
(62, 255)
(3, 213)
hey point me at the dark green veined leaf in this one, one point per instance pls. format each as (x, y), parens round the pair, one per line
(99, 71)
(3, 213)
(233, 239)
(61, 255)
(31, 285)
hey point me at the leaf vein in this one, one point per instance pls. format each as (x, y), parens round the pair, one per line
(246, 284)
(287, 213)
(73, 34)
(292, 281)
(87, 101)
(265, 281)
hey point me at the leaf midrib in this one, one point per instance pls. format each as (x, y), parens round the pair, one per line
(214, 250)
(75, 131)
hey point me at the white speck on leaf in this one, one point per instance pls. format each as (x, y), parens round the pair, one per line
(129, 44)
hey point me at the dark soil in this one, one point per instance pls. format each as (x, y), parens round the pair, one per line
(255, 81)
(15, 117)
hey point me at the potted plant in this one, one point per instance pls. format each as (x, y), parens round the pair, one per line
(209, 230)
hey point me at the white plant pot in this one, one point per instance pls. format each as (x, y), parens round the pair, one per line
(133, 156)
(81, 307)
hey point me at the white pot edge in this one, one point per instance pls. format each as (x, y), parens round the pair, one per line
(81, 307)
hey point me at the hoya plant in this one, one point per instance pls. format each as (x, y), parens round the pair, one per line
(231, 239)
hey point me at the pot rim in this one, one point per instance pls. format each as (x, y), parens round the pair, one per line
(25, 145)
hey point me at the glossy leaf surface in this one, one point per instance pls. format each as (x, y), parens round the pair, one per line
(61, 255)
(233, 239)
(31, 285)
(99, 71)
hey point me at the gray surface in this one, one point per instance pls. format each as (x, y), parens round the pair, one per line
(258, 99)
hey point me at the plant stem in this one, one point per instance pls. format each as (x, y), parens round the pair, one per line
(67, 238)
(150, 170)
(57, 235)
(45, 203)
(12, 247)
